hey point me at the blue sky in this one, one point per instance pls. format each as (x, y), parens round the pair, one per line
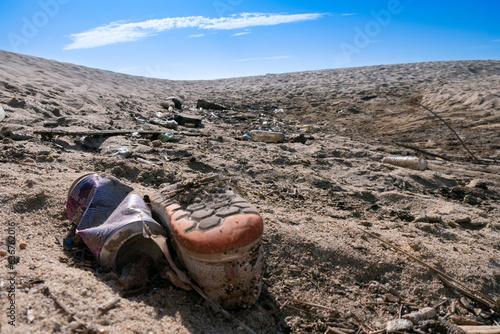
(186, 40)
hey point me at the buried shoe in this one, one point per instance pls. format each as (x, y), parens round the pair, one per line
(217, 236)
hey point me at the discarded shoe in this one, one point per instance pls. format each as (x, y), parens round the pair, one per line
(217, 236)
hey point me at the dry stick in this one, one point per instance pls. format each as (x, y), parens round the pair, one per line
(481, 329)
(309, 304)
(468, 293)
(476, 295)
(449, 127)
(332, 330)
(422, 151)
(59, 303)
(109, 305)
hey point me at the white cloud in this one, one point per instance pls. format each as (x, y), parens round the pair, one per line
(264, 58)
(347, 14)
(195, 36)
(242, 33)
(118, 32)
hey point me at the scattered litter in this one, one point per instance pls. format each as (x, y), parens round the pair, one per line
(399, 325)
(209, 105)
(119, 151)
(172, 103)
(166, 137)
(267, 136)
(303, 128)
(2, 114)
(415, 163)
(140, 120)
(171, 124)
(246, 137)
(183, 119)
(135, 134)
(110, 218)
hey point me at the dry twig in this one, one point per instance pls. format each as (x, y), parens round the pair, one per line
(473, 294)
(419, 150)
(109, 305)
(449, 127)
(309, 304)
(66, 309)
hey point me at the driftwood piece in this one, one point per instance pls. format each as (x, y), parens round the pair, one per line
(94, 133)
(449, 127)
(473, 294)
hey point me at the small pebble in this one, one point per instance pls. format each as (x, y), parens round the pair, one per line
(3, 252)
(469, 199)
(74, 325)
(421, 219)
(23, 245)
(156, 143)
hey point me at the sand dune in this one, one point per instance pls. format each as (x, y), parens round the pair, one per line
(313, 196)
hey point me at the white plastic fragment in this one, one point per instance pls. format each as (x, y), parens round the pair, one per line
(2, 114)
(408, 162)
(399, 325)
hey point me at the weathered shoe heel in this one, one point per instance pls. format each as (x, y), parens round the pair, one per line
(217, 236)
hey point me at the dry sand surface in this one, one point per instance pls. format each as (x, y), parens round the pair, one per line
(315, 194)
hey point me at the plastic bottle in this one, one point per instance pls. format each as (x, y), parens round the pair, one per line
(415, 163)
(166, 137)
(267, 136)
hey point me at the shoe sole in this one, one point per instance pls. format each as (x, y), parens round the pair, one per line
(217, 236)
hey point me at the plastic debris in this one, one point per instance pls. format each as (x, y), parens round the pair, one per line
(267, 136)
(166, 137)
(415, 163)
(110, 217)
(399, 325)
(118, 151)
(246, 137)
